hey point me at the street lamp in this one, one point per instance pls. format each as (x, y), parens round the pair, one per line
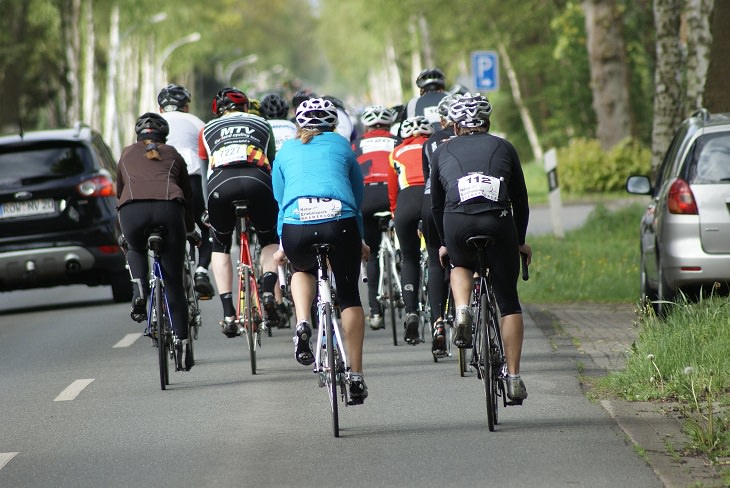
(234, 65)
(160, 73)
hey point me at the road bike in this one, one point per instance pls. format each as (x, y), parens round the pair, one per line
(249, 311)
(194, 313)
(390, 293)
(424, 305)
(487, 350)
(330, 359)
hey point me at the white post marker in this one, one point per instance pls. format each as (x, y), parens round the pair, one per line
(556, 203)
(5, 458)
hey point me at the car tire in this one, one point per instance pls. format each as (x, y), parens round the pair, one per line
(121, 287)
(646, 291)
(665, 295)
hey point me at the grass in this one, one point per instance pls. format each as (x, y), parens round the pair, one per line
(682, 359)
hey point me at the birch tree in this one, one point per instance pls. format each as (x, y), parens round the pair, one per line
(717, 94)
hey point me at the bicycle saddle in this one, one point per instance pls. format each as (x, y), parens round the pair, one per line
(241, 207)
(481, 241)
(154, 237)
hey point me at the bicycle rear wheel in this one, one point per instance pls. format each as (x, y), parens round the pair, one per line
(486, 361)
(158, 310)
(331, 378)
(249, 318)
(390, 290)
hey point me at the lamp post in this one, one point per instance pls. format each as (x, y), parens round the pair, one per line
(160, 73)
(234, 65)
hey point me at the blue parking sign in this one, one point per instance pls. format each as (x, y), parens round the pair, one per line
(485, 68)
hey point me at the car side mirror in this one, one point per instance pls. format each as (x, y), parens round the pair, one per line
(638, 185)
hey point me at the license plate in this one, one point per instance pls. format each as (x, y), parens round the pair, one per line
(27, 208)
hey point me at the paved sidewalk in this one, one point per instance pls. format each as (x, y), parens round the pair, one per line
(600, 335)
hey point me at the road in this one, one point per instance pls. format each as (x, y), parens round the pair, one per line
(220, 426)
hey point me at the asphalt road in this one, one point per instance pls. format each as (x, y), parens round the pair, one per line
(81, 407)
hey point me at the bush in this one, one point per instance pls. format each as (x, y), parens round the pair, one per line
(583, 167)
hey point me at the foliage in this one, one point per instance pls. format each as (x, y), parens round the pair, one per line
(597, 263)
(583, 167)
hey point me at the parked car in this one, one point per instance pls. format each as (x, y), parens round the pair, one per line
(685, 230)
(58, 218)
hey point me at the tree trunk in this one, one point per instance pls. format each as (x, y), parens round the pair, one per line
(111, 130)
(717, 94)
(609, 71)
(72, 35)
(89, 67)
(699, 39)
(667, 77)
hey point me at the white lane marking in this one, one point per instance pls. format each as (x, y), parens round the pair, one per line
(5, 458)
(73, 390)
(128, 340)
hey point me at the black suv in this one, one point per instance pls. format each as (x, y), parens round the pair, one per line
(58, 218)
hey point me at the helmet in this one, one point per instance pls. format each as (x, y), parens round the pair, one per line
(300, 96)
(274, 106)
(254, 106)
(152, 126)
(317, 113)
(229, 98)
(377, 114)
(443, 106)
(173, 97)
(431, 76)
(414, 126)
(470, 110)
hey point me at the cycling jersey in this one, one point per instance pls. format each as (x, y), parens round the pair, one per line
(184, 132)
(237, 138)
(406, 167)
(434, 141)
(373, 154)
(283, 131)
(426, 105)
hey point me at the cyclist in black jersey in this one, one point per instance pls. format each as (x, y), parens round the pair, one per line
(478, 188)
(432, 83)
(437, 281)
(239, 148)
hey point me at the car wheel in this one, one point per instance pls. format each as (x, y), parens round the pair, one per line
(665, 295)
(121, 287)
(646, 290)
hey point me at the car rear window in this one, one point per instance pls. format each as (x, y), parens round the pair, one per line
(711, 159)
(27, 164)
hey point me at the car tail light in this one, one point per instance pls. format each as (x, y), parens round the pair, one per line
(98, 186)
(680, 199)
(110, 249)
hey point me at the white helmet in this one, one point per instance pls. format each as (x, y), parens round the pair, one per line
(414, 126)
(316, 113)
(377, 114)
(469, 110)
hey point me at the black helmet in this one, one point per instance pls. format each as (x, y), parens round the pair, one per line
(152, 126)
(300, 96)
(431, 76)
(229, 99)
(274, 106)
(173, 97)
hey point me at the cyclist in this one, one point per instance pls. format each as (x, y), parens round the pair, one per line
(494, 204)
(319, 164)
(437, 282)
(239, 148)
(373, 150)
(153, 190)
(174, 103)
(298, 98)
(432, 83)
(405, 192)
(345, 127)
(275, 109)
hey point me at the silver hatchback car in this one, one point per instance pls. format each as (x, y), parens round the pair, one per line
(685, 230)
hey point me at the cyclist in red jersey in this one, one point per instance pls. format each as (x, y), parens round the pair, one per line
(373, 150)
(405, 192)
(239, 148)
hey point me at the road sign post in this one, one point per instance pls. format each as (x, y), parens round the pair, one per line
(485, 69)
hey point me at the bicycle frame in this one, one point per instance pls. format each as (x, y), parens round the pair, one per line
(389, 285)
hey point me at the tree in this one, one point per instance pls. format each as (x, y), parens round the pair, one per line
(609, 71)
(717, 95)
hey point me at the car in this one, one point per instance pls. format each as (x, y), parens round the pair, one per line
(685, 229)
(58, 217)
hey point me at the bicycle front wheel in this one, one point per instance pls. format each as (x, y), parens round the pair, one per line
(390, 289)
(249, 319)
(159, 315)
(486, 361)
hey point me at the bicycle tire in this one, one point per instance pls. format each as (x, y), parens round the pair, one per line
(486, 361)
(249, 323)
(161, 334)
(389, 288)
(331, 378)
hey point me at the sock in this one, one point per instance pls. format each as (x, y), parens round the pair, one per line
(268, 282)
(227, 301)
(201, 270)
(513, 376)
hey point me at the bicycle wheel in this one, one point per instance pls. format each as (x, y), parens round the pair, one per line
(389, 289)
(331, 378)
(486, 361)
(249, 318)
(159, 316)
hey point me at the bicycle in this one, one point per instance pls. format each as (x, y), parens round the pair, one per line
(159, 316)
(487, 350)
(194, 313)
(389, 286)
(330, 359)
(248, 313)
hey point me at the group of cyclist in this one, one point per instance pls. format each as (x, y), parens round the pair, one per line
(312, 179)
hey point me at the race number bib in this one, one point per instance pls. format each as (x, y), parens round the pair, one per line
(313, 208)
(233, 153)
(478, 185)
